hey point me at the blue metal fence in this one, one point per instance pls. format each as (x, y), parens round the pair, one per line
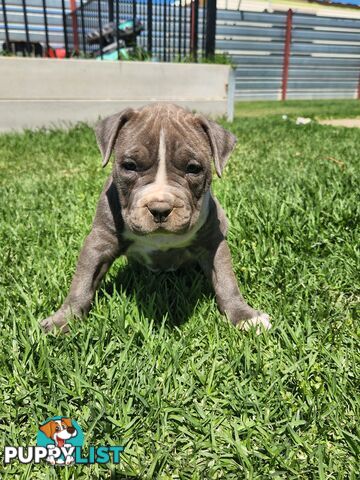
(324, 54)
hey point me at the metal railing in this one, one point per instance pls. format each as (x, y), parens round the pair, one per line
(164, 30)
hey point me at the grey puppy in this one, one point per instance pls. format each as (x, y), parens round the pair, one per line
(157, 207)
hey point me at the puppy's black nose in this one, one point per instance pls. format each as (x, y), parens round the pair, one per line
(160, 211)
(71, 430)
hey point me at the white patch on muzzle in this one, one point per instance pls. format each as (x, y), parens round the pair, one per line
(158, 190)
(161, 178)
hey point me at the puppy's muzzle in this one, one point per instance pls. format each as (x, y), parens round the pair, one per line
(71, 430)
(160, 211)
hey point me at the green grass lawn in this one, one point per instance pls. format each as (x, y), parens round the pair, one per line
(313, 109)
(155, 367)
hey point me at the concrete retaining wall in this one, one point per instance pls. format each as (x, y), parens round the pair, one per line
(36, 92)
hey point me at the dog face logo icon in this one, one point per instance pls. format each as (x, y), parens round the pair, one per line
(60, 435)
(59, 430)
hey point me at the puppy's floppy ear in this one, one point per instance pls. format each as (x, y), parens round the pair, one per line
(107, 130)
(48, 429)
(221, 142)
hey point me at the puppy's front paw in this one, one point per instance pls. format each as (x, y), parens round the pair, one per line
(54, 321)
(260, 321)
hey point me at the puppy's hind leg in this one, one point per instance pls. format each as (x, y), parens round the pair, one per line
(98, 253)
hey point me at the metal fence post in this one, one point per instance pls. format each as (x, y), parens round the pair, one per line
(82, 26)
(287, 46)
(111, 10)
(210, 28)
(194, 29)
(179, 28)
(149, 26)
(7, 38)
(101, 41)
(185, 29)
(46, 27)
(134, 17)
(117, 22)
(28, 47)
(164, 31)
(65, 27)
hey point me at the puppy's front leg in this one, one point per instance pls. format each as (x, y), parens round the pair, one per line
(98, 253)
(218, 268)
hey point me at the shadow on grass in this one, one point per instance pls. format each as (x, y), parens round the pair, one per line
(171, 294)
(123, 476)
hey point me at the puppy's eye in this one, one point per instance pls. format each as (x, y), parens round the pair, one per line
(193, 168)
(57, 428)
(130, 166)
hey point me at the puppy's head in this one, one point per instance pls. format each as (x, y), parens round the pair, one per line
(58, 428)
(162, 170)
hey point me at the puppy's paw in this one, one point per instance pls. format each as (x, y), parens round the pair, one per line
(260, 321)
(54, 321)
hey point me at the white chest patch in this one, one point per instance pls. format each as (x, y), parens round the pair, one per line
(146, 245)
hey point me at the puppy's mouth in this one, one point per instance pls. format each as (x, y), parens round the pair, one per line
(141, 222)
(159, 229)
(60, 442)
